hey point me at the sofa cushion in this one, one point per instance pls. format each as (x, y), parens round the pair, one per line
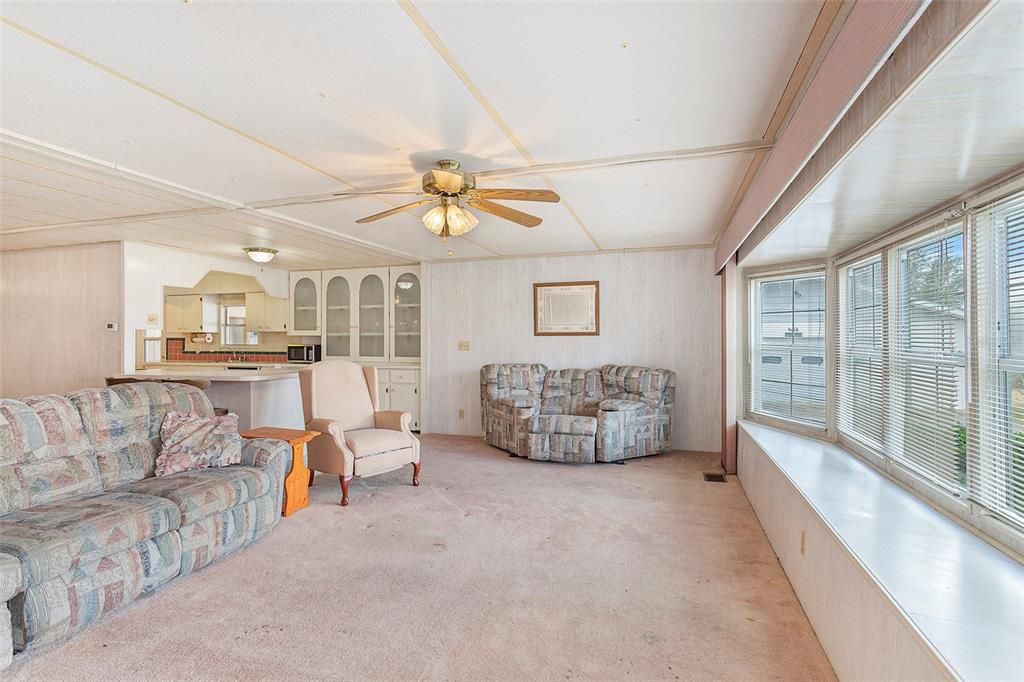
(45, 455)
(511, 380)
(571, 391)
(202, 492)
(52, 539)
(123, 423)
(365, 442)
(628, 382)
(569, 424)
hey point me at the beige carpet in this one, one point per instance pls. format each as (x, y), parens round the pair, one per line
(494, 568)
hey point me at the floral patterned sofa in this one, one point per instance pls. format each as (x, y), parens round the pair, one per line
(577, 415)
(86, 528)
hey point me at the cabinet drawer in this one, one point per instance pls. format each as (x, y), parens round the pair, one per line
(383, 375)
(404, 376)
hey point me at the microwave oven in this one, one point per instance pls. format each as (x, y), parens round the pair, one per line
(304, 353)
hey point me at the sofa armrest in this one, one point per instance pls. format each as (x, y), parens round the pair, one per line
(620, 405)
(269, 453)
(392, 420)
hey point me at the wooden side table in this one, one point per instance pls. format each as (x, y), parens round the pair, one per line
(296, 481)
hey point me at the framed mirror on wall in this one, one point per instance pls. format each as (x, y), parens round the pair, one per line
(567, 309)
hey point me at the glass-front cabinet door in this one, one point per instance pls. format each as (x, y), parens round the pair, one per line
(339, 322)
(406, 299)
(373, 339)
(304, 308)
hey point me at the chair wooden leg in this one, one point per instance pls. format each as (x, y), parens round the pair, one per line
(416, 473)
(311, 475)
(344, 489)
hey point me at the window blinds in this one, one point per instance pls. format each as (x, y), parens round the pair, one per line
(996, 443)
(861, 362)
(787, 354)
(927, 431)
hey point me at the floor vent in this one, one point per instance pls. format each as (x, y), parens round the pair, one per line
(714, 478)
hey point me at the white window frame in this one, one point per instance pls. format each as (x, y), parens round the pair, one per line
(751, 278)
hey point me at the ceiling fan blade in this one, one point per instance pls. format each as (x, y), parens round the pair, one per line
(393, 211)
(517, 194)
(524, 219)
(447, 181)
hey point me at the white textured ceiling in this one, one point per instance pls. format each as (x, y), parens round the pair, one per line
(962, 125)
(121, 109)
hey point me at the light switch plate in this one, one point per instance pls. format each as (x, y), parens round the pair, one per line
(463, 345)
(153, 320)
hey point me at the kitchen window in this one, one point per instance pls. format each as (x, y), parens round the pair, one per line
(232, 327)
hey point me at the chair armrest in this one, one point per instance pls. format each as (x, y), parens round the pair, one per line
(392, 420)
(327, 426)
(523, 402)
(620, 405)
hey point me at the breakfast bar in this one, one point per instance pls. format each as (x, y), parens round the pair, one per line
(260, 396)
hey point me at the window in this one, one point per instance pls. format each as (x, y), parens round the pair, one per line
(996, 442)
(787, 358)
(929, 361)
(232, 327)
(861, 365)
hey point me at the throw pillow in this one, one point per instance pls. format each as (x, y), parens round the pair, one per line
(192, 442)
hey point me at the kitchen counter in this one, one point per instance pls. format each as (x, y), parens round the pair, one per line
(215, 373)
(260, 397)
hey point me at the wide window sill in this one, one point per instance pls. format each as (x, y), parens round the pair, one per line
(964, 596)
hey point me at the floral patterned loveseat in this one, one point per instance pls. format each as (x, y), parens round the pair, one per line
(610, 414)
(86, 528)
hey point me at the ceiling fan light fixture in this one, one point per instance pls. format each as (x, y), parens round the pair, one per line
(260, 254)
(434, 219)
(460, 221)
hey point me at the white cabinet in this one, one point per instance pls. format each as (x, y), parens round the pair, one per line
(371, 314)
(191, 313)
(265, 313)
(339, 322)
(398, 389)
(405, 303)
(304, 309)
(368, 314)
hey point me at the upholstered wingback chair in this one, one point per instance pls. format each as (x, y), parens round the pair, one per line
(509, 397)
(635, 417)
(339, 399)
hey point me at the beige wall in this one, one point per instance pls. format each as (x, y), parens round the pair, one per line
(54, 305)
(658, 308)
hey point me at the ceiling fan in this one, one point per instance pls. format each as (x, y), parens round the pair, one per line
(452, 190)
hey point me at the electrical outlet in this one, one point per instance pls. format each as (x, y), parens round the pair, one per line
(803, 542)
(463, 345)
(462, 413)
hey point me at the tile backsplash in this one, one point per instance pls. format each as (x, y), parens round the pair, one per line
(176, 353)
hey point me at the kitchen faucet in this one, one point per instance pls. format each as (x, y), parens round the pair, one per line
(234, 353)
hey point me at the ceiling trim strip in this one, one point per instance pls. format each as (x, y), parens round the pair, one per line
(445, 54)
(867, 38)
(939, 29)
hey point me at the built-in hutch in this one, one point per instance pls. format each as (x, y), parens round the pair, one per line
(371, 316)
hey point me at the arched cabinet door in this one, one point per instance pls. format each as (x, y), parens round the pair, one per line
(304, 303)
(372, 315)
(406, 298)
(339, 319)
